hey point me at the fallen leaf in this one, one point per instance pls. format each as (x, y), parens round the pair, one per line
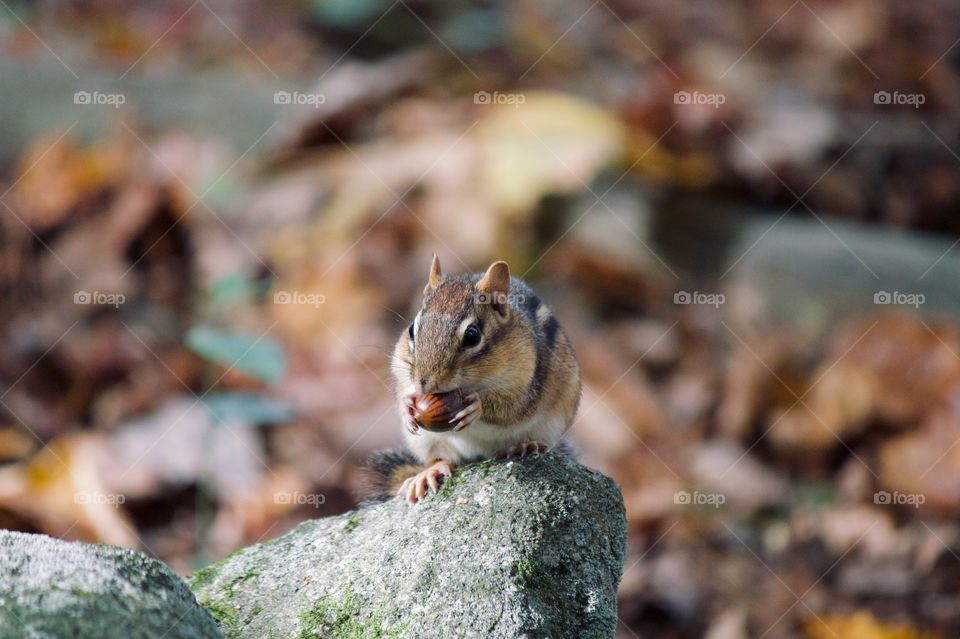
(180, 444)
(836, 408)
(253, 410)
(727, 469)
(920, 470)
(56, 174)
(257, 355)
(913, 362)
(65, 490)
(861, 625)
(544, 142)
(730, 624)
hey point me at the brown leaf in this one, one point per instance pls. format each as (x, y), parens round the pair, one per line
(836, 408)
(915, 363)
(64, 490)
(56, 174)
(924, 465)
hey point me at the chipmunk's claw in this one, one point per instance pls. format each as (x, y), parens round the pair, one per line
(415, 488)
(409, 421)
(411, 424)
(522, 450)
(470, 413)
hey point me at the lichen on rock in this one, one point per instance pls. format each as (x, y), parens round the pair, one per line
(52, 589)
(522, 548)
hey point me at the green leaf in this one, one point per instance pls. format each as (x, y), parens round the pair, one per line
(474, 31)
(236, 288)
(817, 493)
(219, 190)
(247, 408)
(255, 355)
(347, 13)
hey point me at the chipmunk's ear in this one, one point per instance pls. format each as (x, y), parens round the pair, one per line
(435, 275)
(494, 287)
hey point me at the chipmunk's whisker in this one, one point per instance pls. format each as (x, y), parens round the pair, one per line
(400, 317)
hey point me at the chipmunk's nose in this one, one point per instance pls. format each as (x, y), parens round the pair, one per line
(429, 385)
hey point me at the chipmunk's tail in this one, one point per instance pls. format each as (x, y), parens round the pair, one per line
(386, 472)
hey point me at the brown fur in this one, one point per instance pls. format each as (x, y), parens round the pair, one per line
(524, 366)
(401, 474)
(505, 373)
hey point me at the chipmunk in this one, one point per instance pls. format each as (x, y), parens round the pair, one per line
(490, 337)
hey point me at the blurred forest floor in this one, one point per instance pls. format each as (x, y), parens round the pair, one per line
(198, 310)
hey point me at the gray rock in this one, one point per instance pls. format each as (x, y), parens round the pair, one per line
(526, 548)
(52, 589)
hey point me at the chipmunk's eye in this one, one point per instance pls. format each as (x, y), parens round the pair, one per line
(471, 336)
(410, 330)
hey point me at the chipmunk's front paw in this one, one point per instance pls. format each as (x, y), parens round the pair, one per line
(470, 413)
(522, 450)
(415, 487)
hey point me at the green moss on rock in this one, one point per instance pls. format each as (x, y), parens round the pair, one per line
(529, 547)
(352, 522)
(341, 619)
(226, 616)
(530, 575)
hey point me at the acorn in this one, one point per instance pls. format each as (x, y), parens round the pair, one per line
(434, 412)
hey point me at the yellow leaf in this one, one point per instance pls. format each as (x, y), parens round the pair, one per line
(861, 625)
(544, 142)
(63, 491)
